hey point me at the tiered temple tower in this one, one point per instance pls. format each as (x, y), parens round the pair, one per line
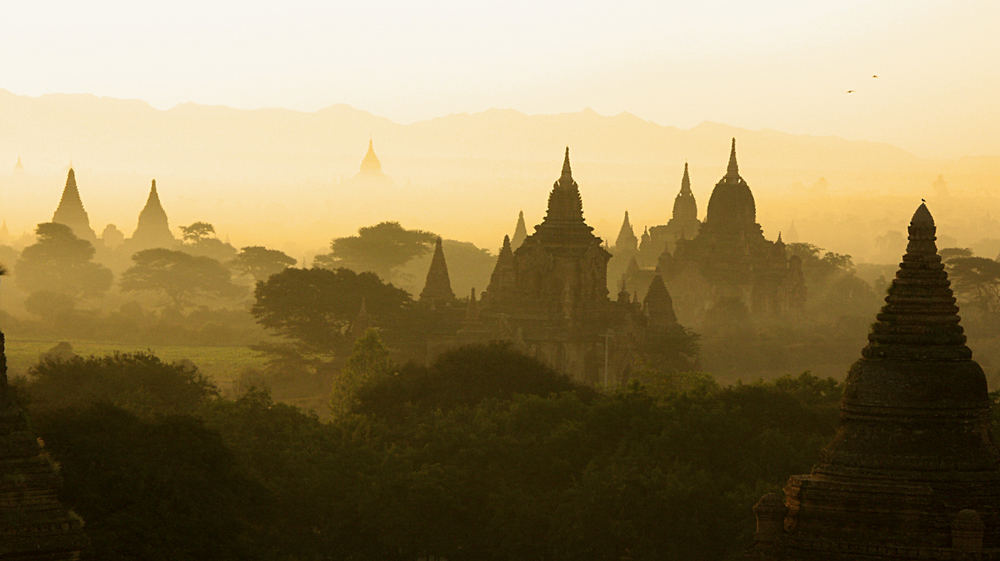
(153, 230)
(683, 224)
(626, 243)
(437, 289)
(912, 472)
(71, 212)
(34, 525)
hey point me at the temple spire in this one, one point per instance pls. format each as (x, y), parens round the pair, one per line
(567, 172)
(437, 289)
(686, 181)
(520, 231)
(153, 229)
(70, 211)
(733, 171)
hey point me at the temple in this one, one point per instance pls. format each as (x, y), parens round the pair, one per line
(153, 230)
(724, 262)
(437, 288)
(71, 212)
(912, 471)
(34, 525)
(549, 297)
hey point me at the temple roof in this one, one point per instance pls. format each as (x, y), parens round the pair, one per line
(658, 303)
(685, 206)
(626, 237)
(563, 222)
(731, 205)
(520, 231)
(437, 288)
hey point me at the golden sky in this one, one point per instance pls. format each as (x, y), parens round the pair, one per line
(783, 65)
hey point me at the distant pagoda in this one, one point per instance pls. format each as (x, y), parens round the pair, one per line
(19, 166)
(370, 166)
(34, 525)
(626, 243)
(437, 289)
(70, 211)
(912, 472)
(153, 230)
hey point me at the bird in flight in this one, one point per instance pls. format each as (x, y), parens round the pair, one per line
(850, 91)
(874, 75)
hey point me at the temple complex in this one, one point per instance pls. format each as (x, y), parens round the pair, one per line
(153, 230)
(549, 297)
(70, 211)
(34, 525)
(912, 471)
(726, 262)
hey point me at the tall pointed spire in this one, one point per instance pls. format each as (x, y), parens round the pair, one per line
(686, 181)
(685, 206)
(520, 231)
(19, 166)
(370, 165)
(626, 241)
(565, 205)
(153, 229)
(437, 288)
(733, 171)
(70, 211)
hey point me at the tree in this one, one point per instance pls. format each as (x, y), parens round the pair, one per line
(315, 307)
(368, 363)
(976, 280)
(953, 252)
(179, 276)
(381, 249)
(200, 239)
(260, 262)
(138, 382)
(61, 262)
(197, 232)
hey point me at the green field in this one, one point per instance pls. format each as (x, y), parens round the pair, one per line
(222, 364)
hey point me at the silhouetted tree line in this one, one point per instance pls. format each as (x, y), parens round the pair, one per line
(482, 454)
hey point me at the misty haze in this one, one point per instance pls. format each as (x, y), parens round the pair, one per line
(475, 281)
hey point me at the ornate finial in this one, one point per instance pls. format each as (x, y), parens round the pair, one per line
(733, 171)
(153, 187)
(567, 172)
(506, 242)
(685, 181)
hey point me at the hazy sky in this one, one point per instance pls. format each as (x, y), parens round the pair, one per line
(767, 64)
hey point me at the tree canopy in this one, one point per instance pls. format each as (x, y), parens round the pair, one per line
(62, 263)
(260, 262)
(380, 249)
(179, 276)
(315, 307)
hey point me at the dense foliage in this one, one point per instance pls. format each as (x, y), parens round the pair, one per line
(488, 455)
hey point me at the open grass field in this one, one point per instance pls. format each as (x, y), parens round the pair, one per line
(222, 364)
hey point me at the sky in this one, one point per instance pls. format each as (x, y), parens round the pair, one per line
(784, 65)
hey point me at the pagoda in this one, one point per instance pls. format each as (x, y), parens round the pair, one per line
(912, 472)
(437, 288)
(370, 166)
(152, 230)
(70, 211)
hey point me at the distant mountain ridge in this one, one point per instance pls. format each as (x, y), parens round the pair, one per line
(466, 175)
